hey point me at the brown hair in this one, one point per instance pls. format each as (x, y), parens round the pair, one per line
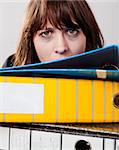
(64, 13)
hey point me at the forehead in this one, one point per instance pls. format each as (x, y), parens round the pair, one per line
(60, 27)
(48, 25)
(58, 14)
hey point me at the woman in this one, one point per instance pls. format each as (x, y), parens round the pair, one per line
(54, 30)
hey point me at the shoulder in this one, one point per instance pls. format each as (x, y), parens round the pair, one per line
(9, 61)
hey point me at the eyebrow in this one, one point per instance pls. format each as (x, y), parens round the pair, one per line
(48, 28)
(51, 28)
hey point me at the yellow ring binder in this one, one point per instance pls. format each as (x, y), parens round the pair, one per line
(68, 100)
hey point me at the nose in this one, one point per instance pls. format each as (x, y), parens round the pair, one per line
(61, 44)
(61, 51)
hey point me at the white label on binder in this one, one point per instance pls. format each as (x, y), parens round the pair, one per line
(4, 138)
(21, 98)
(19, 139)
(41, 140)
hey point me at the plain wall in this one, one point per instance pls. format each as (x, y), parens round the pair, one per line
(12, 14)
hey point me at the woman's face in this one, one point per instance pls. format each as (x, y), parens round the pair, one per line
(52, 44)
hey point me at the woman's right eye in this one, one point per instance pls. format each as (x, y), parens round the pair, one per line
(46, 34)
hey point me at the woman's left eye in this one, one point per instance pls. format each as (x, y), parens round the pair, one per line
(73, 32)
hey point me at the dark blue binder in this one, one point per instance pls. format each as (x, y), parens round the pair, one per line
(82, 65)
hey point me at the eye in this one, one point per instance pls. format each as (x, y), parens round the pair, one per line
(46, 34)
(73, 32)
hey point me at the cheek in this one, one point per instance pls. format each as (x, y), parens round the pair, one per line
(40, 47)
(79, 45)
